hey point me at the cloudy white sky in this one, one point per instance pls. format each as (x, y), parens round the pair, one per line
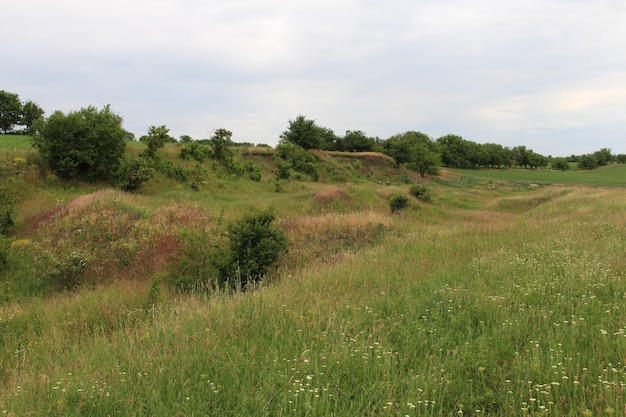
(547, 74)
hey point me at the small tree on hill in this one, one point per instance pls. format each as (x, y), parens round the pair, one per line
(87, 143)
(31, 113)
(304, 133)
(10, 110)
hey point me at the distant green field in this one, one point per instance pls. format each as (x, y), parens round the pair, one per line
(610, 176)
(15, 142)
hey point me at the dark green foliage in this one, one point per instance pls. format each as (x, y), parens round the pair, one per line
(31, 113)
(356, 141)
(290, 156)
(132, 172)
(195, 151)
(416, 151)
(240, 257)
(254, 246)
(10, 110)
(560, 164)
(221, 140)
(304, 133)
(156, 139)
(398, 202)
(588, 162)
(421, 192)
(88, 143)
(5, 247)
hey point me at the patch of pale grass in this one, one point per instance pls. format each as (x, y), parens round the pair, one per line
(309, 225)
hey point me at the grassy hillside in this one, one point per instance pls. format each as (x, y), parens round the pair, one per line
(498, 298)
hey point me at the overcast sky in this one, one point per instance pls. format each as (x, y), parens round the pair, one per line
(547, 74)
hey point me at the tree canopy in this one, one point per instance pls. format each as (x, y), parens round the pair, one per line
(10, 110)
(88, 143)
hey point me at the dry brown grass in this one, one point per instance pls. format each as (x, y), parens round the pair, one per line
(327, 237)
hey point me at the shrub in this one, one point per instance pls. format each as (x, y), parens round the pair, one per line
(132, 172)
(87, 143)
(194, 267)
(254, 246)
(240, 257)
(421, 192)
(398, 202)
(194, 150)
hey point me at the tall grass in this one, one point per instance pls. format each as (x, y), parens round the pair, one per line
(490, 314)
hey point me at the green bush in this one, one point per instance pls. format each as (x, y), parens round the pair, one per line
(241, 256)
(194, 265)
(421, 192)
(88, 143)
(398, 202)
(254, 246)
(132, 172)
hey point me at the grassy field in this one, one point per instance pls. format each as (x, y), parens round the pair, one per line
(609, 176)
(496, 299)
(15, 142)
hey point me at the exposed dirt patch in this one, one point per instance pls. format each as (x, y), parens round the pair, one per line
(85, 200)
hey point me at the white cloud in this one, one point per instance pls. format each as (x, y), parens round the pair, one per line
(489, 70)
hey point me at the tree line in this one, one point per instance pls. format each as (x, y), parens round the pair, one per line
(423, 154)
(90, 143)
(14, 112)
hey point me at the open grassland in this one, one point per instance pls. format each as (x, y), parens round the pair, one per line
(15, 142)
(457, 312)
(613, 175)
(498, 298)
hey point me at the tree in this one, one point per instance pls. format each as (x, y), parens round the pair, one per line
(604, 156)
(221, 140)
(156, 138)
(588, 162)
(10, 110)
(356, 141)
(560, 164)
(303, 132)
(87, 143)
(415, 150)
(31, 112)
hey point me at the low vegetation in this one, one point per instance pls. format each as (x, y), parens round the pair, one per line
(485, 293)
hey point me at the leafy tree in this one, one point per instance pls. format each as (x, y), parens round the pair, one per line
(330, 141)
(621, 158)
(521, 156)
(156, 139)
(10, 110)
(303, 132)
(356, 141)
(604, 156)
(588, 161)
(31, 112)
(221, 140)
(185, 139)
(560, 164)
(415, 150)
(87, 143)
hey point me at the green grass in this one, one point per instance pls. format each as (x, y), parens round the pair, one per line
(15, 142)
(610, 176)
(496, 299)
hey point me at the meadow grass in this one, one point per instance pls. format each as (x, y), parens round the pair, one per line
(473, 311)
(613, 175)
(15, 142)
